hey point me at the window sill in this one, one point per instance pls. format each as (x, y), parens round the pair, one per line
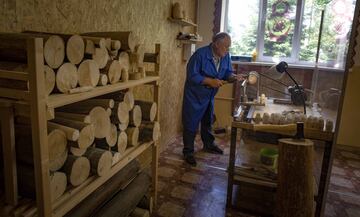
(294, 66)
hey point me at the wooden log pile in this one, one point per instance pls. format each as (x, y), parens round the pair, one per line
(310, 122)
(85, 138)
(78, 63)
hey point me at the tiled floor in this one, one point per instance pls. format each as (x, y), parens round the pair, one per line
(200, 191)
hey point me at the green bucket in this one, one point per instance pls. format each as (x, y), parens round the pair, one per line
(269, 156)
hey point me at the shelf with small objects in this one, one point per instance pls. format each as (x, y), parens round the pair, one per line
(85, 124)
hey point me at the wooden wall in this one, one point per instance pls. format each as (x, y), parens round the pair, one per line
(148, 19)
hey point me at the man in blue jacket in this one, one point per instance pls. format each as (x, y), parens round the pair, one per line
(207, 70)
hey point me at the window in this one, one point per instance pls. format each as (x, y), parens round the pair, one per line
(289, 30)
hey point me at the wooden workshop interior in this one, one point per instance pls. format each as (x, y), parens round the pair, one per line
(91, 99)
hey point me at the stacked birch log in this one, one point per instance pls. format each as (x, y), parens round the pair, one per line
(78, 63)
(87, 137)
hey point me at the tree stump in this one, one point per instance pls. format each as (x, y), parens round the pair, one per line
(295, 193)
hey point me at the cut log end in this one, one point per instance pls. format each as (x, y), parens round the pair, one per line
(54, 51)
(89, 73)
(75, 49)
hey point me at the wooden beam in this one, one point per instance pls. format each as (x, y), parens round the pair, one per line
(57, 100)
(14, 75)
(39, 126)
(14, 94)
(155, 149)
(9, 154)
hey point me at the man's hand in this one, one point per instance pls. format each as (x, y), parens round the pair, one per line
(213, 82)
(236, 77)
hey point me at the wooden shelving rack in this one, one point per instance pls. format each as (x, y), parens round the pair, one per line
(42, 109)
(182, 22)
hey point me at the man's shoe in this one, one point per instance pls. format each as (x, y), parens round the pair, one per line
(189, 158)
(213, 149)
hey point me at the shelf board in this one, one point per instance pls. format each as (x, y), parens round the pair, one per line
(57, 100)
(182, 22)
(189, 41)
(74, 196)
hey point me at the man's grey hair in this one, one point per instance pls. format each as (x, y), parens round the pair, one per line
(220, 36)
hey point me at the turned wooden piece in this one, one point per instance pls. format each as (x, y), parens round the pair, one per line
(124, 75)
(124, 61)
(135, 116)
(100, 160)
(66, 77)
(132, 135)
(86, 132)
(177, 11)
(89, 73)
(137, 57)
(295, 193)
(148, 109)
(135, 76)
(77, 169)
(75, 49)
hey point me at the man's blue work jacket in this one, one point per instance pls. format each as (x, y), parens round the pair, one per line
(197, 97)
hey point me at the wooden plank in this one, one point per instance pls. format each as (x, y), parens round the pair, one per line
(14, 94)
(224, 98)
(182, 22)
(287, 130)
(157, 64)
(155, 150)
(242, 179)
(21, 76)
(71, 198)
(231, 165)
(9, 155)
(39, 126)
(57, 100)
(22, 108)
(151, 58)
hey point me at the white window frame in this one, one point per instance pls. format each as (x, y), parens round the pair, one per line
(296, 40)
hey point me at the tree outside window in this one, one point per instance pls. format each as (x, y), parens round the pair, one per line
(289, 29)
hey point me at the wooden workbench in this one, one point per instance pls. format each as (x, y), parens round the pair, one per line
(243, 122)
